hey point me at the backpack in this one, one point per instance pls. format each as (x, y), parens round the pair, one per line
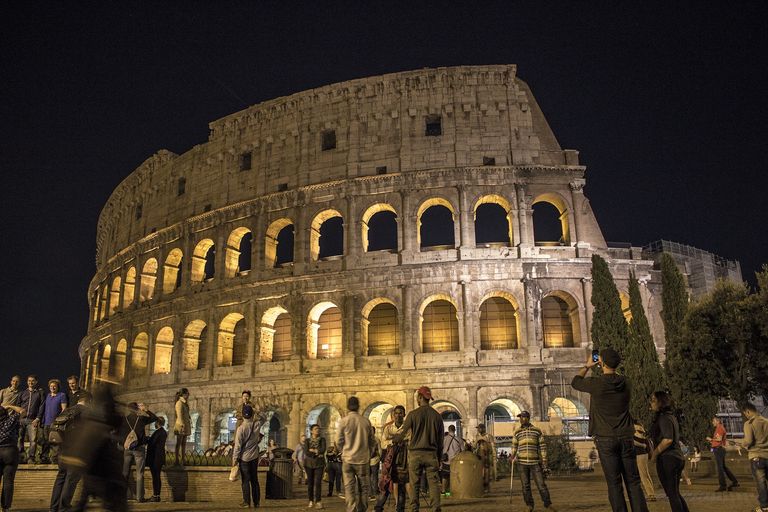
(60, 425)
(131, 440)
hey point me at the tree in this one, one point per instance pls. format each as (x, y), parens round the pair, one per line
(609, 329)
(674, 304)
(641, 361)
(758, 311)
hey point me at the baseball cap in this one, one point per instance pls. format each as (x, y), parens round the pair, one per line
(247, 412)
(425, 392)
(524, 414)
(611, 358)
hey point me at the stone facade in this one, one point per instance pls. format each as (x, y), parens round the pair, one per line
(495, 325)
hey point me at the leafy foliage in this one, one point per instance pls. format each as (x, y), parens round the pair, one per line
(609, 329)
(561, 457)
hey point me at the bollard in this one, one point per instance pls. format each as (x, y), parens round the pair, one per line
(466, 476)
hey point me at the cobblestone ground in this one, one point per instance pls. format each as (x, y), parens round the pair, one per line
(585, 492)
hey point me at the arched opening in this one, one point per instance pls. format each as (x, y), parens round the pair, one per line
(574, 416)
(379, 228)
(560, 320)
(625, 309)
(148, 279)
(203, 261)
(501, 410)
(195, 438)
(275, 335)
(130, 287)
(381, 329)
(378, 413)
(498, 324)
(139, 353)
(278, 245)
(238, 252)
(114, 296)
(493, 222)
(275, 428)
(324, 331)
(232, 347)
(193, 356)
(450, 414)
(326, 235)
(117, 367)
(225, 427)
(439, 326)
(172, 271)
(436, 225)
(327, 417)
(163, 351)
(550, 221)
(106, 354)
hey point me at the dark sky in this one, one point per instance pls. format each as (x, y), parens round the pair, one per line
(665, 100)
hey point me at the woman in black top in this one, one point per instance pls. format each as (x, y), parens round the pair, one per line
(314, 463)
(670, 462)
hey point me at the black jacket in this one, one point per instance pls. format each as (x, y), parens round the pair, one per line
(608, 405)
(156, 448)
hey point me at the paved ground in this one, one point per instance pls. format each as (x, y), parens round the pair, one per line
(585, 492)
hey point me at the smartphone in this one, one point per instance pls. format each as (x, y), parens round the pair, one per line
(595, 356)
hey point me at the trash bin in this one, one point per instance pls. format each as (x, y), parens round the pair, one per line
(280, 475)
(466, 476)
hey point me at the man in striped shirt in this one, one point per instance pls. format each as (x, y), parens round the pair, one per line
(529, 450)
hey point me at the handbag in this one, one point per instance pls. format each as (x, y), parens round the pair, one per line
(234, 473)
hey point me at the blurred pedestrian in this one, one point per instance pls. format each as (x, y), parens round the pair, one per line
(333, 457)
(156, 456)
(314, 462)
(246, 456)
(63, 432)
(718, 443)
(182, 427)
(756, 442)
(132, 438)
(9, 451)
(374, 464)
(670, 462)
(355, 440)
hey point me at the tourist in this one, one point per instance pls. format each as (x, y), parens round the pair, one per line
(374, 463)
(245, 399)
(452, 446)
(132, 438)
(670, 462)
(9, 451)
(314, 463)
(73, 389)
(756, 442)
(611, 426)
(395, 462)
(333, 458)
(642, 453)
(32, 400)
(355, 442)
(592, 458)
(246, 456)
(695, 459)
(298, 459)
(718, 443)
(156, 456)
(182, 427)
(425, 449)
(530, 451)
(271, 447)
(685, 450)
(55, 403)
(66, 427)
(488, 455)
(10, 395)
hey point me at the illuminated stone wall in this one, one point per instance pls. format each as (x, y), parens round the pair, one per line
(190, 289)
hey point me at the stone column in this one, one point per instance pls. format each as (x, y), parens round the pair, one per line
(407, 229)
(294, 429)
(408, 317)
(535, 339)
(210, 343)
(466, 223)
(252, 355)
(586, 287)
(302, 228)
(524, 217)
(352, 235)
(577, 198)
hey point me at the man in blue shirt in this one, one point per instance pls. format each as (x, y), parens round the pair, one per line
(55, 403)
(32, 401)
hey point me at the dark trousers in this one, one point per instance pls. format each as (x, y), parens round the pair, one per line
(154, 470)
(617, 456)
(669, 468)
(48, 452)
(64, 488)
(314, 483)
(384, 496)
(722, 469)
(760, 473)
(249, 475)
(9, 461)
(528, 472)
(334, 477)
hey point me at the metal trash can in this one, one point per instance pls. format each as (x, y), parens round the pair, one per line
(280, 475)
(466, 476)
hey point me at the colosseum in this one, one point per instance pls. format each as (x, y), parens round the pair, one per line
(366, 238)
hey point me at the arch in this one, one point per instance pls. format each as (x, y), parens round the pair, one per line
(436, 230)
(324, 331)
(563, 407)
(172, 271)
(378, 413)
(625, 308)
(499, 322)
(560, 320)
(439, 324)
(106, 368)
(327, 416)
(277, 243)
(114, 295)
(129, 289)
(237, 258)
(163, 351)
(203, 261)
(148, 279)
(232, 345)
(493, 221)
(381, 328)
(139, 352)
(193, 355)
(379, 228)
(331, 240)
(545, 219)
(275, 335)
(503, 409)
(224, 427)
(119, 359)
(276, 427)
(451, 414)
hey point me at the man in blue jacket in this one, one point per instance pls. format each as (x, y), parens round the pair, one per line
(32, 401)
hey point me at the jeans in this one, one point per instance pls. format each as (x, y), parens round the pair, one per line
(9, 461)
(155, 470)
(426, 463)
(28, 432)
(617, 456)
(382, 499)
(334, 477)
(139, 457)
(249, 474)
(669, 468)
(760, 473)
(722, 469)
(315, 483)
(64, 488)
(533, 470)
(354, 474)
(374, 478)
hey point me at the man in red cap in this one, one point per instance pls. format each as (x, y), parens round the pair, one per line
(425, 448)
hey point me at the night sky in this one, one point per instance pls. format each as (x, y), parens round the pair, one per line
(667, 103)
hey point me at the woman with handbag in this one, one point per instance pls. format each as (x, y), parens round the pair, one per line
(314, 463)
(670, 462)
(246, 456)
(182, 427)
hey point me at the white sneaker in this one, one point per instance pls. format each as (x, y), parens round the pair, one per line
(311, 504)
(319, 504)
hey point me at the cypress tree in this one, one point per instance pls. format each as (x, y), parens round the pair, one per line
(674, 300)
(609, 329)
